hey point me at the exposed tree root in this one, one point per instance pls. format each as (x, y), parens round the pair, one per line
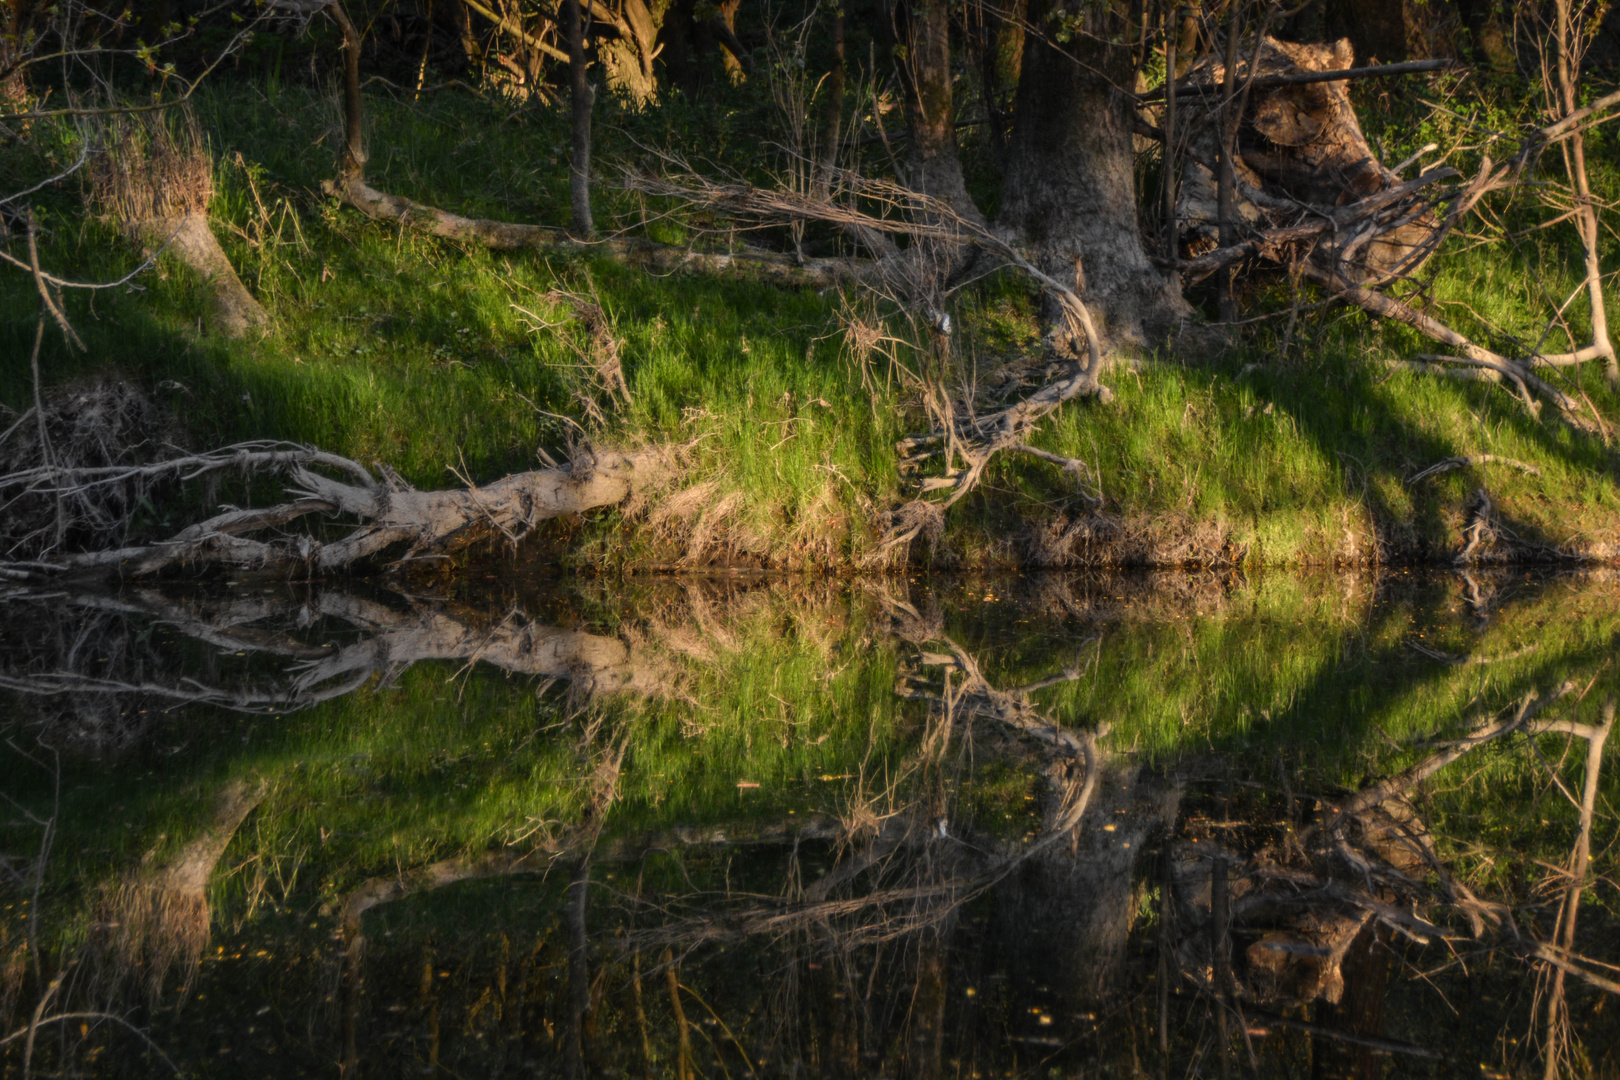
(385, 513)
(771, 266)
(917, 281)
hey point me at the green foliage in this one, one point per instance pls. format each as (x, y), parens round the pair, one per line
(1292, 446)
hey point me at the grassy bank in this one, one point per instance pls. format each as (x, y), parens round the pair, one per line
(1292, 447)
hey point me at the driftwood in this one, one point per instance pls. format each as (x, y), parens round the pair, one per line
(385, 511)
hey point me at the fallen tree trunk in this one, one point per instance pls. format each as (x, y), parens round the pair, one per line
(386, 513)
(775, 267)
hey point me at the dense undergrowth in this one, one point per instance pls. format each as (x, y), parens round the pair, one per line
(1294, 445)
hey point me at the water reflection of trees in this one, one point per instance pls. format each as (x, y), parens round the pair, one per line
(1204, 913)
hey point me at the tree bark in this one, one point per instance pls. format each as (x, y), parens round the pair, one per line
(1586, 221)
(933, 166)
(676, 45)
(354, 153)
(724, 27)
(1002, 54)
(1070, 189)
(579, 974)
(581, 98)
(1377, 28)
(628, 60)
(233, 311)
(832, 117)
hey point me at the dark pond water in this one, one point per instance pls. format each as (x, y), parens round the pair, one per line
(1039, 826)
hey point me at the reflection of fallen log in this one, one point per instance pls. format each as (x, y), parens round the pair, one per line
(385, 513)
(390, 640)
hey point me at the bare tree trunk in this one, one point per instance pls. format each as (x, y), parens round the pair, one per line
(1070, 189)
(159, 919)
(677, 45)
(933, 167)
(724, 27)
(1003, 54)
(1359, 1011)
(581, 98)
(1068, 911)
(469, 41)
(579, 974)
(627, 60)
(354, 153)
(1229, 115)
(1586, 222)
(1580, 861)
(1380, 30)
(683, 1058)
(832, 117)
(233, 310)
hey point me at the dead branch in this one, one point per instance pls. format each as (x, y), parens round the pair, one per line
(775, 267)
(1494, 366)
(385, 513)
(966, 444)
(1272, 82)
(1486, 732)
(1471, 460)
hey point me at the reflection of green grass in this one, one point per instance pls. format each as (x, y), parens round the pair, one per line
(1312, 682)
(388, 345)
(1314, 677)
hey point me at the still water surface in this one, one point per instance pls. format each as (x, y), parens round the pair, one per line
(1037, 826)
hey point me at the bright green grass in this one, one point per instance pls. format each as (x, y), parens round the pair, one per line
(391, 346)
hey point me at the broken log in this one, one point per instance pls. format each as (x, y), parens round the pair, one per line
(1301, 158)
(232, 310)
(384, 513)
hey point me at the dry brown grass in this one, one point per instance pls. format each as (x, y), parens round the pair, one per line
(150, 929)
(148, 166)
